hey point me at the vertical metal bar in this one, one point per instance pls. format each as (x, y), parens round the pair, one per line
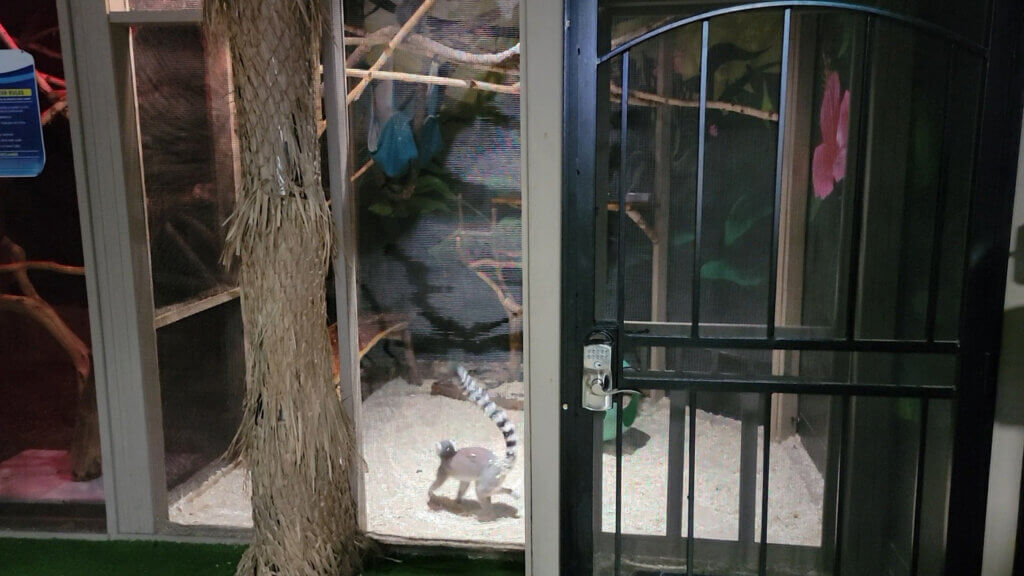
(922, 446)
(620, 280)
(777, 206)
(766, 415)
(699, 208)
(844, 464)
(940, 206)
(749, 420)
(620, 296)
(690, 496)
(863, 121)
(676, 465)
(620, 407)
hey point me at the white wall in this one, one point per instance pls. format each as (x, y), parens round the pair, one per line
(1008, 436)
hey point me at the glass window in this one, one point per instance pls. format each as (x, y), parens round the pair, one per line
(436, 171)
(183, 88)
(50, 462)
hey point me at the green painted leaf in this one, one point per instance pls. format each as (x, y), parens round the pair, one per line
(742, 217)
(766, 99)
(427, 184)
(723, 270)
(382, 209)
(427, 205)
(682, 238)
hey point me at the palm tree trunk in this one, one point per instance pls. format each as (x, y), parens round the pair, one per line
(295, 437)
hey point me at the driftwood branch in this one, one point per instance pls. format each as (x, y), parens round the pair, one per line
(492, 263)
(368, 75)
(9, 41)
(434, 47)
(362, 170)
(45, 315)
(641, 223)
(50, 113)
(15, 255)
(507, 301)
(42, 266)
(390, 48)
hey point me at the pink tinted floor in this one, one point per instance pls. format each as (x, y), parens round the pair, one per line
(45, 476)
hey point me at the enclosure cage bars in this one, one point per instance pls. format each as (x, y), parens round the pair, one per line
(850, 342)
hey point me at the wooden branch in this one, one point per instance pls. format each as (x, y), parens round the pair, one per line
(45, 51)
(492, 263)
(390, 48)
(362, 170)
(50, 113)
(15, 255)
(37, 309)
(507, 302)
(368, 75)
(638, 218)
(648, 99)
(434, 47)
(43, 266)
(54, 80)
(9, 41)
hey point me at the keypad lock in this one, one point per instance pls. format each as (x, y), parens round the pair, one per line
(597, 373)
(598, 384)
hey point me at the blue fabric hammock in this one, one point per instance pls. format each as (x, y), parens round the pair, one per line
(393, 147)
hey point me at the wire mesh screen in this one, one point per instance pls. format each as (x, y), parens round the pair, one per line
(435, 157)
(186, 149)
(182, 89)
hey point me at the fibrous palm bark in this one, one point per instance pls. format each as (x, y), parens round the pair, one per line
(295, 437)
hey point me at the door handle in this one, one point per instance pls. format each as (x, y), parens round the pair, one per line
(598, 380)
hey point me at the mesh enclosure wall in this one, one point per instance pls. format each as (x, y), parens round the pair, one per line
(439, 216)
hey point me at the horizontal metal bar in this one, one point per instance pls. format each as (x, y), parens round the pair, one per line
(182, 17)
(671, 548)
(790, 386)
(919, 23)
(828, 345)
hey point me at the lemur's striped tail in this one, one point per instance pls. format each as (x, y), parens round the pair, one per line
(477, 394)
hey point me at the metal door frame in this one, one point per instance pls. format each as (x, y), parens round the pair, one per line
(983, 287)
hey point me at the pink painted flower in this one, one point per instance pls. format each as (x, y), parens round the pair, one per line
(829, 165)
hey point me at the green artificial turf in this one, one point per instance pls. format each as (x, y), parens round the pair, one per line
(87, 558)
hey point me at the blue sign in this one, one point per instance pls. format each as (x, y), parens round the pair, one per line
(21, 131)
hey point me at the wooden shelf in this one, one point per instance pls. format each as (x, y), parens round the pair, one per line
(172, 313)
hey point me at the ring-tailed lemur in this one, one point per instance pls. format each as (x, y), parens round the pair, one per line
(475, 464)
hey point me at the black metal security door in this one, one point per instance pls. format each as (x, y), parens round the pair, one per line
(789, 220)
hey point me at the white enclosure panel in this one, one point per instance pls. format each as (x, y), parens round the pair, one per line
(541, 26)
